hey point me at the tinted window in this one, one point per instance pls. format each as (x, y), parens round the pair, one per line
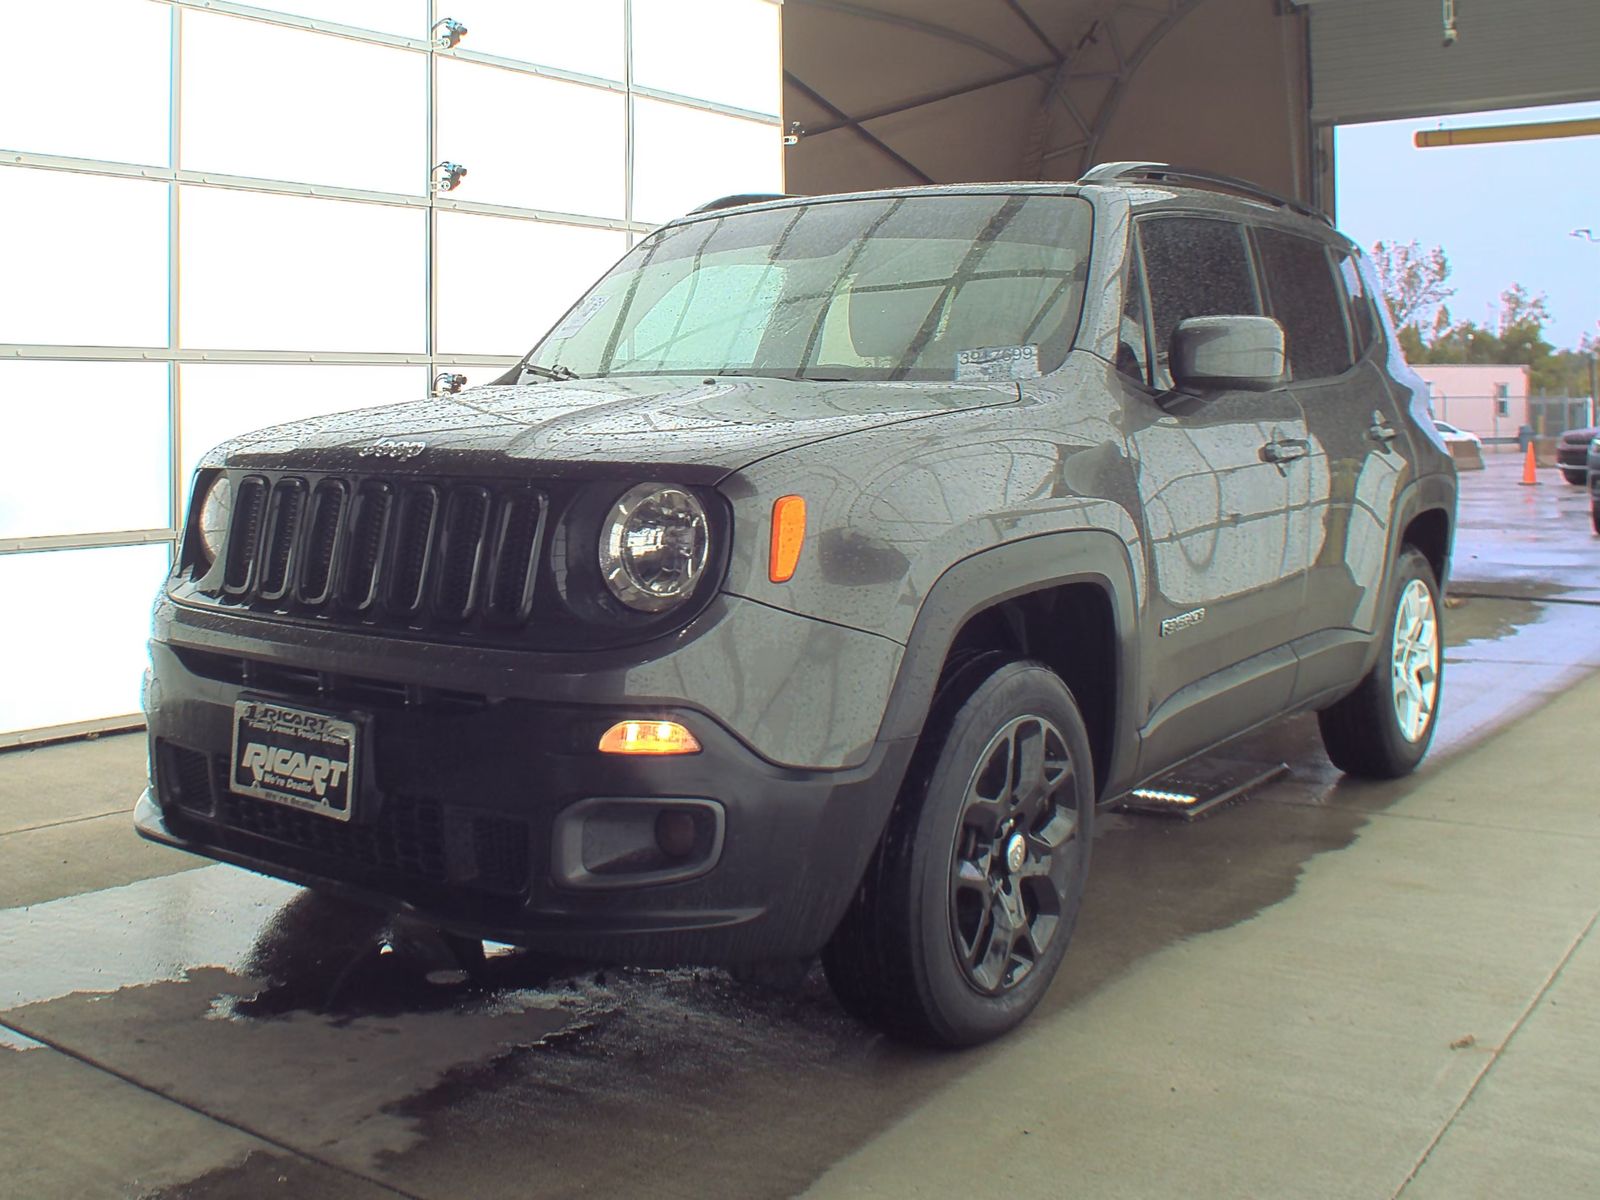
(1196, 268)
(1363, 316)
(1307, 302)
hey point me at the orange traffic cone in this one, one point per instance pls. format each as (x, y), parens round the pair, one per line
(1528, 465)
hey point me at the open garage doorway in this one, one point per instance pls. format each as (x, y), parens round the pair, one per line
(1492, 255)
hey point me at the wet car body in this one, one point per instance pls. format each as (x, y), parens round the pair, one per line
(1572, 454)
(1191, 566)
(1594, 481)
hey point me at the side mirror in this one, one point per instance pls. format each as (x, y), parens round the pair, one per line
(1209, 353)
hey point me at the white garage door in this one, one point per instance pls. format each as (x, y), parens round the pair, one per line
(1383, 59)
(217, 217)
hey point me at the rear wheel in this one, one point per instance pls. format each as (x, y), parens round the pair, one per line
(1576, 478)
(1384, 727)
(969, 903)
(1594, 515)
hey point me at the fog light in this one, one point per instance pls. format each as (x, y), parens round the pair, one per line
(648, 737)
(635, 841)
(675, 833)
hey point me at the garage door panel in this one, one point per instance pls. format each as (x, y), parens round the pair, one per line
(73, 641)
(1378, 60)
(84, 448)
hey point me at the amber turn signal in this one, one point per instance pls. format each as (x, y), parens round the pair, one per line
(648, 737)
(788, 534)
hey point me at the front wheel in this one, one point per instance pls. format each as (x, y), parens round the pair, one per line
(1383, 728)
(969, 902)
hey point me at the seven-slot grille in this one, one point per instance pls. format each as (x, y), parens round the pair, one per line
(453, 554)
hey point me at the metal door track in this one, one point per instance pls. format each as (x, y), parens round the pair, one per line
(1195, 789)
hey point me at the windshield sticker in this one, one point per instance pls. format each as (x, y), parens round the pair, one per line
(998, 363)
(579, 317)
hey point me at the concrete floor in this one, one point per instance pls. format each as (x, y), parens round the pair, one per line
(1329, 989)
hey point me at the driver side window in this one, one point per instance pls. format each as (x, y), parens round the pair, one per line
(1196, 267)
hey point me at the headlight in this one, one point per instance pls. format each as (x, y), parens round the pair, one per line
(215, 513)
(653, 546)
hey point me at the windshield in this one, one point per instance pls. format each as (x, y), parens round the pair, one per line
(913, 287)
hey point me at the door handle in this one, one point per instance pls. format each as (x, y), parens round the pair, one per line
(1285, 450)
(1380, 430)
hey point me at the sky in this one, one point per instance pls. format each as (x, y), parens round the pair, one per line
(1503, 213)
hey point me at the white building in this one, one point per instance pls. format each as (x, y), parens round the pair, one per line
(1490, 400)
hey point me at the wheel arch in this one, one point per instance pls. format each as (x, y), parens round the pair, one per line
(1067, 600)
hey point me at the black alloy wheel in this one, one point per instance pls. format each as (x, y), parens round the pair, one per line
(1013, 858)
(969, 902)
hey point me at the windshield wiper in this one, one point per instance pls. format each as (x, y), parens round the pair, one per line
(557, 372)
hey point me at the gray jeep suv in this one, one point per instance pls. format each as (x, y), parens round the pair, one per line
(813, 581)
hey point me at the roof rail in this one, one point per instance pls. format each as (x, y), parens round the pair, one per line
(1155, 172)
(738, 200)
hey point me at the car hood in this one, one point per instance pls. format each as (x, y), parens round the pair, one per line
(709, 426)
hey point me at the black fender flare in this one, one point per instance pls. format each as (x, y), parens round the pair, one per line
(1092, 556)
(1426, 493)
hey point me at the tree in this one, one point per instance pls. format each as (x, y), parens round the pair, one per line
(1413, 280)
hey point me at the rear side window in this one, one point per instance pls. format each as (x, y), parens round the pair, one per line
(1196, 267)
(1308, 303)
(1363, 316)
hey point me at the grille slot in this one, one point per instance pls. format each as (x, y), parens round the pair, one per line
(324, 527)
(511, 571)
(244, 536)
(459, 555)
(284, 510)
(466, 520)
(369, 531)
(412, 548)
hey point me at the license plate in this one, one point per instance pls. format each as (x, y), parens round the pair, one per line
(291, 756)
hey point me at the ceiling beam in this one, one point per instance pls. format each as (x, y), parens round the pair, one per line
(1033, 26)
(932, 98)
(822, 102)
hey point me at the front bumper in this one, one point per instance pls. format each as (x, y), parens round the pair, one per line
(455, 820)
(1573, 458)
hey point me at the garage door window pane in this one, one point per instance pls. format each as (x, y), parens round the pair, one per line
(100, 91)
(532, 142)
(221, 401)
(722, 50)
(409, 18)
(355, 115)
(730, 155)
(503, 282)
(73, 641)
(585, 37)
(264, 272)
(109, 422)
(85, 260)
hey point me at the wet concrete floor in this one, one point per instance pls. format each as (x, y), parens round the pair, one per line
(186, 1030)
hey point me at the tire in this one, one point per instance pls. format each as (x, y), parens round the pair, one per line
(1594, 516)
(1575, 478)
(967, 907)
(1383, 729)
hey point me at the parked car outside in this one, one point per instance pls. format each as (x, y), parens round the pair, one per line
(812, 583)
(1572, 454)
(1593, 465)
(1451, 433)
